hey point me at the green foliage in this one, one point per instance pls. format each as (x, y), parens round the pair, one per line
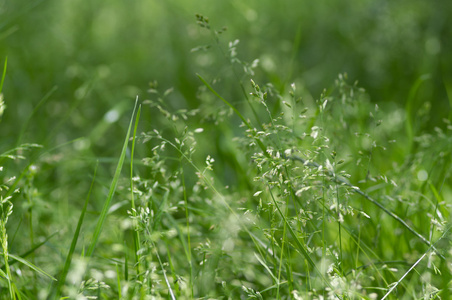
(255, 172)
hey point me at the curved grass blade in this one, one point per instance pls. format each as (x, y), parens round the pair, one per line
(224, 100)
(67, 264)
(37, 246)
(3, 274)
(35, 110)
(103, 214)
(31, 266)
(136, 236)
(4, 74)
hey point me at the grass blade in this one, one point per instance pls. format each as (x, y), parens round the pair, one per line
(35, 110)
(267, 268)
(103, 215)
(224, 100)
(3, 274)
(31, 266)
(67, 264)
(32, 250)
(4, 74)
(136, 236)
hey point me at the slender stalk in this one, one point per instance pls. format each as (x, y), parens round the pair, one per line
(103, 214)
(67, 264)
(187, 217)
(136, 236)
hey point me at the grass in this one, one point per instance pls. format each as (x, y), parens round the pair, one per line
(258, 175)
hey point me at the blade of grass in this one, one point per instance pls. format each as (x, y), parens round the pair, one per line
(103, 214)
(187, 247)
(268, 270)
(225, 101)
(68, 261)
(136, 236)
(33, 249)
(27, 122)
(3, 274)
(118, 281)
(284, 241)
(4, 74)
(31, 266)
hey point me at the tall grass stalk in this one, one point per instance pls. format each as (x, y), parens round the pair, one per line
(187, 247)
(136, 236)
(3, 74)
(67, 264)
(114, 183)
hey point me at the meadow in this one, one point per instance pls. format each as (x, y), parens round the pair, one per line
(225, 150)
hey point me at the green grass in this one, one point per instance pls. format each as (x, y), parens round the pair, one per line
(247, 168)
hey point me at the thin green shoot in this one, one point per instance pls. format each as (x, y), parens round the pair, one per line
(114, 183)
(3, 74)
(136, 236)
(118, 281)
(188, 246)
(31, 250)
(75, 237)
(35, 110)
(225, 101)
(31, 266)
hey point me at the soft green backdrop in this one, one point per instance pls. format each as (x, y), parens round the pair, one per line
(99, 54)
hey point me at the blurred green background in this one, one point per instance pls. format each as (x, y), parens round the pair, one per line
(92, 56)
(76, 67)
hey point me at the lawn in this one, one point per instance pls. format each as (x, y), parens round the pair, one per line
(225, 150)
